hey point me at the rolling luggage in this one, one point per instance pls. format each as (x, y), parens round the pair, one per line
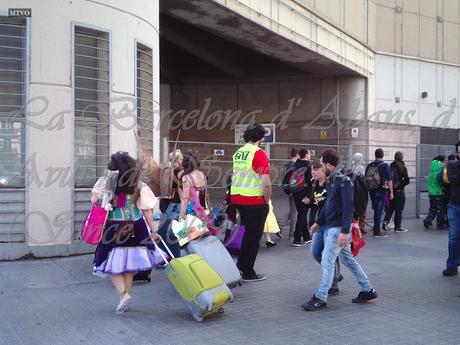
(213, 251)
(201, 289)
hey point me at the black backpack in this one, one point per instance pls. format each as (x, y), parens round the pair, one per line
(294, 180)
(360, 194)
(285, 183)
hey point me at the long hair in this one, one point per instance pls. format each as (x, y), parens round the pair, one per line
(190, 162)
(128, 176)
(399, 163)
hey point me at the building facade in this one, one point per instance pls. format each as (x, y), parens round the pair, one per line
(79, 77)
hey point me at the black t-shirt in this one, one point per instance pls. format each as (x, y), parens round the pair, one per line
(318, 196)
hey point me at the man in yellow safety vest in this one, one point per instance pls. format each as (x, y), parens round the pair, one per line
(250, 192)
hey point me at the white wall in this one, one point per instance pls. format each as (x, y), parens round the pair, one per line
(407, 79)
(50, 76)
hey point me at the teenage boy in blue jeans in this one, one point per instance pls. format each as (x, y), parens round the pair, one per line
(336, 217)
(318, 199)
(379, 194)
(453, 213)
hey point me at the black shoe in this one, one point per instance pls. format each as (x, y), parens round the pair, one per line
(298, 244)
(254, 278)
(427, 223)
(270, 244)
(401, 230)
(385, 226)
(365, 296)
(450, 271)
(333, 291)
(380, 234)
(314, 304)
(340, 278)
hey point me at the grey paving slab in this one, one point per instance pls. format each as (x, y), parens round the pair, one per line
(58, 301)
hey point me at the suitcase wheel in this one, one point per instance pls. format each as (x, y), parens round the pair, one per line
(221, 310)
(198, 318)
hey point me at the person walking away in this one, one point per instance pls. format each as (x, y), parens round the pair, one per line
(300, 184)
(336, 217)
(400, 179)
(442, 177)
(292, 215)
(361, 193)
(193, 194)
(171, 207)
(250, 193)
(318, 198)
(453, 211)
(436, 210)
(126, 246)
(357, 167)
(380, 185)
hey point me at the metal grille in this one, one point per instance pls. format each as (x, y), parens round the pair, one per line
(91, 104)
(144, 94)
(12, 101)
(13, 55)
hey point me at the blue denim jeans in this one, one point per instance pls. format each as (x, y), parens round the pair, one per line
(330, 253)
(453, 212)
(378, 205)
(317, 247)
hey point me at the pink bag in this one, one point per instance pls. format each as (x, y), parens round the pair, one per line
(92, 227)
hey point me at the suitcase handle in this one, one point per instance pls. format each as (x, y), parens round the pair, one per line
(161, 252)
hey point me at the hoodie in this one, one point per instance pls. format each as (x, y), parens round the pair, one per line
(434, 187)
(338, 208)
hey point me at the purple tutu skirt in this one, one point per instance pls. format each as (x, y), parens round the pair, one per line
(130, 260)
(131, 253)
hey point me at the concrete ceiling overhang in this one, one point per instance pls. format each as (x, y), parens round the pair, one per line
(218, 20)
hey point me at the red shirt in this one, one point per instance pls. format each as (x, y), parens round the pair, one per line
(261, 165)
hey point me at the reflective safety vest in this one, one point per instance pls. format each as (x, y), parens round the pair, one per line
(245, 181)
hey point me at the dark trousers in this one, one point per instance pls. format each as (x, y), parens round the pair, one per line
(437, 211)
(396, 207)
(301, 226)
(454, 236)
(165, 231)
(253, 218)
(378, 205)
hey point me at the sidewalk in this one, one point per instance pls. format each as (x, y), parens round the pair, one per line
(59, 302)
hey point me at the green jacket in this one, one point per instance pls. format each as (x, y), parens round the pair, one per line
(434, 187)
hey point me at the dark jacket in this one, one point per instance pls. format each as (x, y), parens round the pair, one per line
(453, 174)
(399, 181)
(305, 192)
(338, 209)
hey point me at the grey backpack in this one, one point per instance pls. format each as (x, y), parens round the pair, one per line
(372, 177)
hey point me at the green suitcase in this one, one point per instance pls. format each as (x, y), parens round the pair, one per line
(200, 287)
